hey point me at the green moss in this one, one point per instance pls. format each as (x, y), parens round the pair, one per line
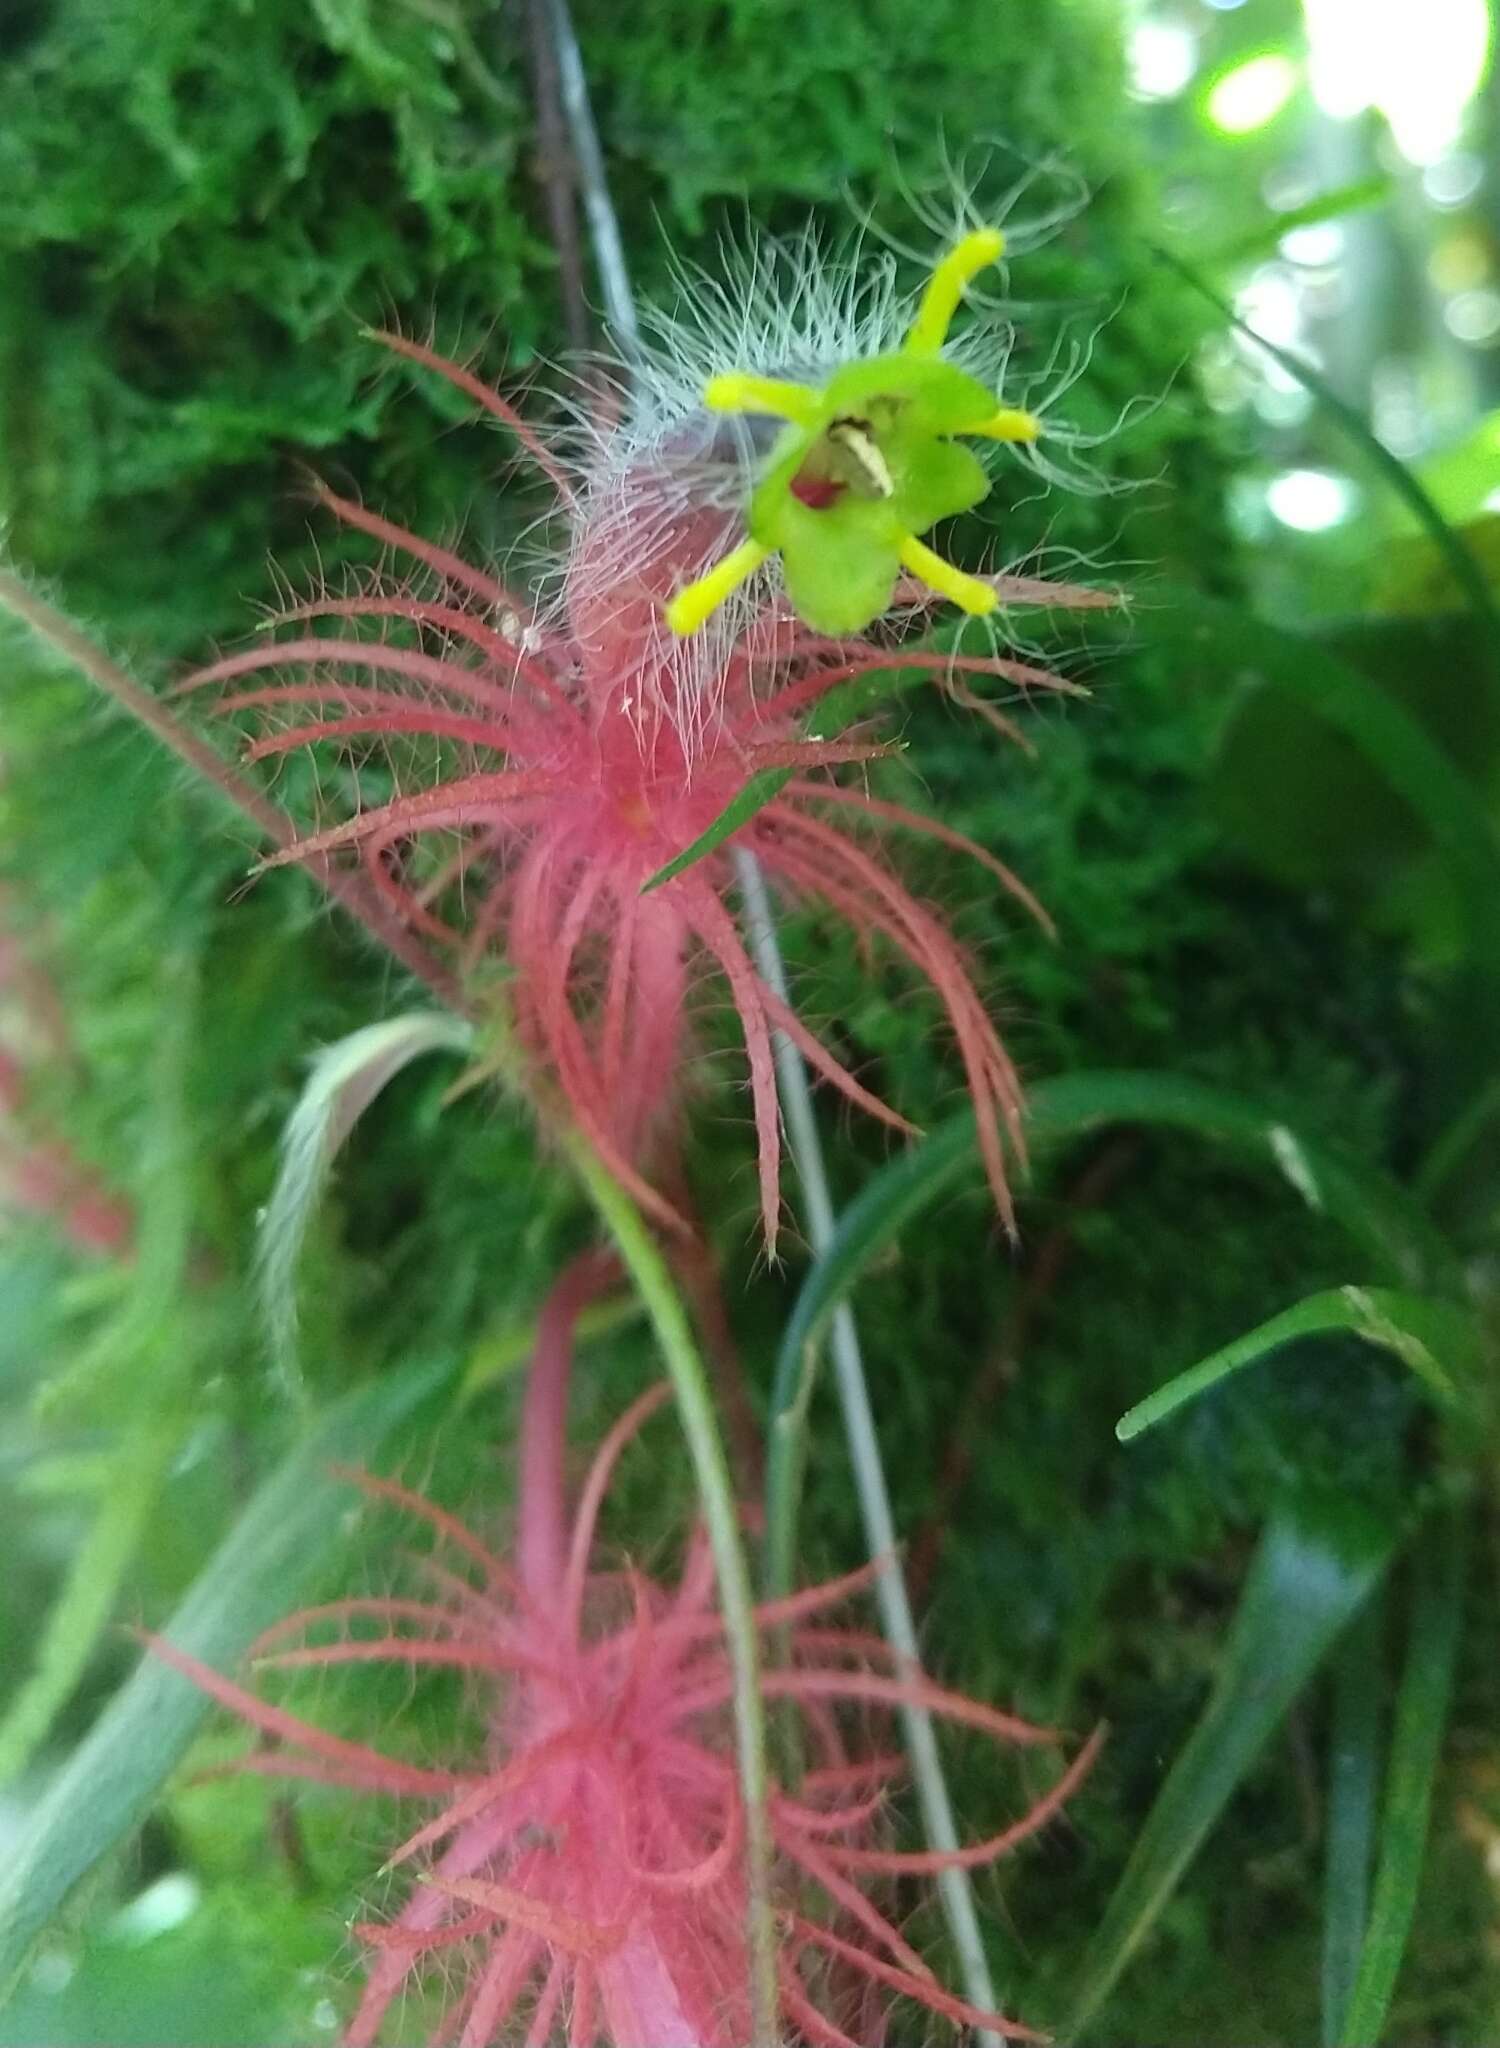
(199, 205)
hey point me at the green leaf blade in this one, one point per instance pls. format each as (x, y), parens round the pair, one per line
(1397, 746)
(107, 1786)
(1416, 1748)
(1315, 1566)
(1353, 1806)
(1468, 572)
(1418, 1331)
(343, 1080)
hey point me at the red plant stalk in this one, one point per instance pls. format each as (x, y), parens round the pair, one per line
(39, 1171)
(580, 1879)
(546, 762)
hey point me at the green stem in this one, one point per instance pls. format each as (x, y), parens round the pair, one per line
(648, 1270)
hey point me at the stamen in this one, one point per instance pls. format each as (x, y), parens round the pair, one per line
(739, 391)
(969, 593)
(697, 602)
(1008, 424)
(945, 288)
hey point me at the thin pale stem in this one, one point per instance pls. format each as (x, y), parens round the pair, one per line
(270, 821)
(593, 180)
(648, 1270)
(802, 1131)
(891, 1597)
(556, 173)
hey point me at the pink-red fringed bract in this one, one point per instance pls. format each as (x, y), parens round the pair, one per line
(579, 1879)
(572, 751)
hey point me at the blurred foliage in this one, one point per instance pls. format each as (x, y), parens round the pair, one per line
(199, 206)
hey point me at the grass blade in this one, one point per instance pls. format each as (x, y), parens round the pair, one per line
(1264, 240)
(1416, 1745)
(82, 1609)
(344, 1080)
(643, 1261)
(1468, 571)
(1380, 1220)
(1353, 1802)
(1455, 1143)
(1315, 1565)
(107, 1786)
(1417, 1330)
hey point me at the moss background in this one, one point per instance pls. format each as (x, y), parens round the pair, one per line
(199, 206)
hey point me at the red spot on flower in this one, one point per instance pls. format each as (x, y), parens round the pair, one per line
(816, 492)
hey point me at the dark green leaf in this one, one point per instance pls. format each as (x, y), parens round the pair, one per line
(1455, 1143)
(1416, 1746)
(843, 704)
(759, 791)
(1314, 1567)
(1226, 640)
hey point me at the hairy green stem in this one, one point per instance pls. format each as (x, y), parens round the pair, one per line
(60, 633)
(648, 1270)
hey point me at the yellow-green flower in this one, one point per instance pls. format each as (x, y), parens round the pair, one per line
(865, 465)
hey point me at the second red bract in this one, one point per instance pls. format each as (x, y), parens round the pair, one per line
(582, 1877)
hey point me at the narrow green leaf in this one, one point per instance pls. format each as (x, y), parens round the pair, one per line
(1315, 1565)
(1417, 1330)
(344, 1080)
(1353, 1802)
(759, 791)
(889, 1200)
(82, 1609)
(149, 1347)
(1422, 1704)
(1395, 743)
(649, 1274)
(1380, 1220)
(1263, 240)
(107, 1786)
(1467, 571)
